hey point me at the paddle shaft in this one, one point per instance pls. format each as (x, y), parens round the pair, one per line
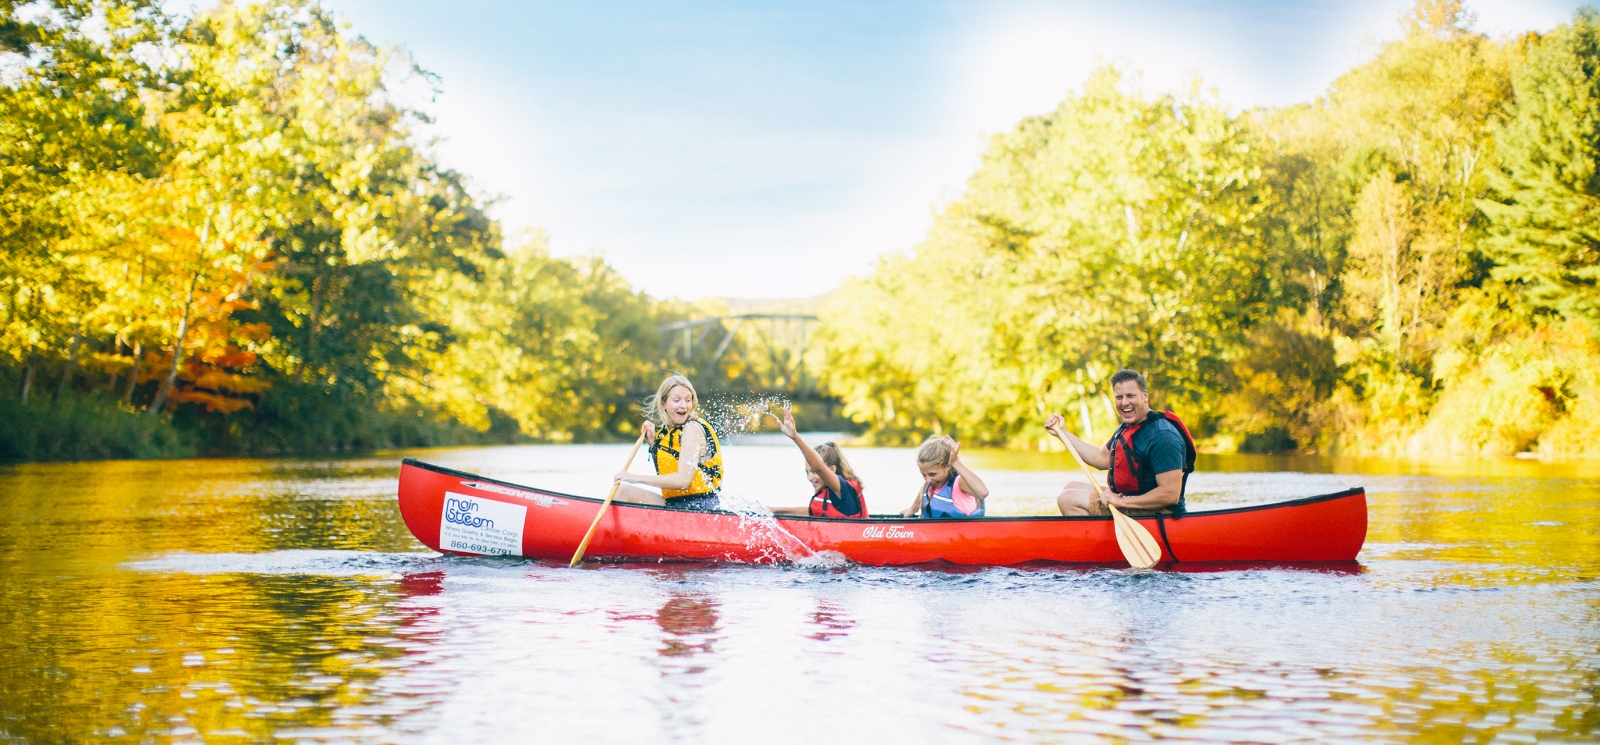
(1134, 539)
(577, 556)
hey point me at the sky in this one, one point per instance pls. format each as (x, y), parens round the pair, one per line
(771, 149)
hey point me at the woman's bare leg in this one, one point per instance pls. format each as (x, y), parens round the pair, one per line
(638, 495)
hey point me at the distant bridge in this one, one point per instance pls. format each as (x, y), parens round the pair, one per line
(775, 345)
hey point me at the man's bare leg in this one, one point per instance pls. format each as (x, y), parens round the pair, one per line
(1077, 500)
(638, 495)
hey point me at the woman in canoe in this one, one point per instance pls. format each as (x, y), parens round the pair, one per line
(684, 448)
(837, 487)
(949, 488)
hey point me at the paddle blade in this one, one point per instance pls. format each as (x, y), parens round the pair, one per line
(1138, 546)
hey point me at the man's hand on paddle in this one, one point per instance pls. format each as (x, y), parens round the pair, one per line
(1056, 425)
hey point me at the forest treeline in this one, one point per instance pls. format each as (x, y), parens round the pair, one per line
(222, 235)
(1407, 265)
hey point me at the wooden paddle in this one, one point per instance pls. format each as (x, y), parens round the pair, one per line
(577, 556)
(1138, 546)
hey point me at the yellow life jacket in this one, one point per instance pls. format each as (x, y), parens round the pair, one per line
(665, 453)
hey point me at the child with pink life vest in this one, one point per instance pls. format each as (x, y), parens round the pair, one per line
(949, 488)
(836, 486)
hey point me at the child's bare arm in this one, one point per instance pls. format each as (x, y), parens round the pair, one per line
(916, 506)
(813, 460)
(970, 483)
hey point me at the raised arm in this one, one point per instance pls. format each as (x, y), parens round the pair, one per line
(971, 484)
(1094, 455)
(813, 460)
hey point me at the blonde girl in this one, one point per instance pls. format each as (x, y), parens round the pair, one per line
(837, 487)
(949, 488)
(684, 448)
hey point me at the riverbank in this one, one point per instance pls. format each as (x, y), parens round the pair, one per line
(76, 427)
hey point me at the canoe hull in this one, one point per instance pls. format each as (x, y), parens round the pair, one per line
(457, 512)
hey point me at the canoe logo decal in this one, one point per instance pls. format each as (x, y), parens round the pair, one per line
(460, 512)
(543, 500)
(470, 525)
(886, 531)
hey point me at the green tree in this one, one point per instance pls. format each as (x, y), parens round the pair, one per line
(1117, 230)
(73, 113)
(1546, 223)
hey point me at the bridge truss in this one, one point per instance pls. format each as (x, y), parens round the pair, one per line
(775, 345)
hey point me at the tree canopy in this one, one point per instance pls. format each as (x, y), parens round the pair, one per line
(225, 224)
(228, 219)
(1356, 274)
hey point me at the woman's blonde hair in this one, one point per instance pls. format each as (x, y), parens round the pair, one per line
(935, 451)
(833, 457)
(655, 409)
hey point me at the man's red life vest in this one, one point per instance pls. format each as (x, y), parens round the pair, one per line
(1125, 465)
(822, 502)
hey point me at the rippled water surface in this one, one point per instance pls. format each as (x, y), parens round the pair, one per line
(283, 600)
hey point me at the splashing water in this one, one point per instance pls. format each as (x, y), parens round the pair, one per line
(762, 531)
(734, 416)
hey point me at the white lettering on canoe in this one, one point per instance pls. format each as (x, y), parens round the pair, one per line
(886, 531)
(543, 500)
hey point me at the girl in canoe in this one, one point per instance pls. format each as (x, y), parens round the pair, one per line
(950, 488)
(838, 488)
(684, 449)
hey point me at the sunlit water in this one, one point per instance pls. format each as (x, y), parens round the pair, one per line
(285, 600)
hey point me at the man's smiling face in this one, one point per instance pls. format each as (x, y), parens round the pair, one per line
(1133, 402)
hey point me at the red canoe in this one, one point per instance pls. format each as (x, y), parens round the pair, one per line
(462, 513)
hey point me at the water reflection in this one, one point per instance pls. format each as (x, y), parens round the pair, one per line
(690, 623)
(262, 600)
(831, 622)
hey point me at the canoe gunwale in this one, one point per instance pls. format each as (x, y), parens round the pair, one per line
(880, 519)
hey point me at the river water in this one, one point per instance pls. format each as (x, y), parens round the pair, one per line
(284, 600)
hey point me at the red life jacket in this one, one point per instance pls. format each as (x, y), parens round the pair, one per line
(822, 502)
(1125, 465)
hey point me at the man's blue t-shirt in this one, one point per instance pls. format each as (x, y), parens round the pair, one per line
(1159, 447)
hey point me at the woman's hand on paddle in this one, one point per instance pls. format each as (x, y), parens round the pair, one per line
(621, 477)
(649, 430)
(786, 424)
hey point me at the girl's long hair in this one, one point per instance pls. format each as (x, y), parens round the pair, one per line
(655, 408)
(833, 457)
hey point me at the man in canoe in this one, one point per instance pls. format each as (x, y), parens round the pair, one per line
(1150, 457)
(685, 451)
